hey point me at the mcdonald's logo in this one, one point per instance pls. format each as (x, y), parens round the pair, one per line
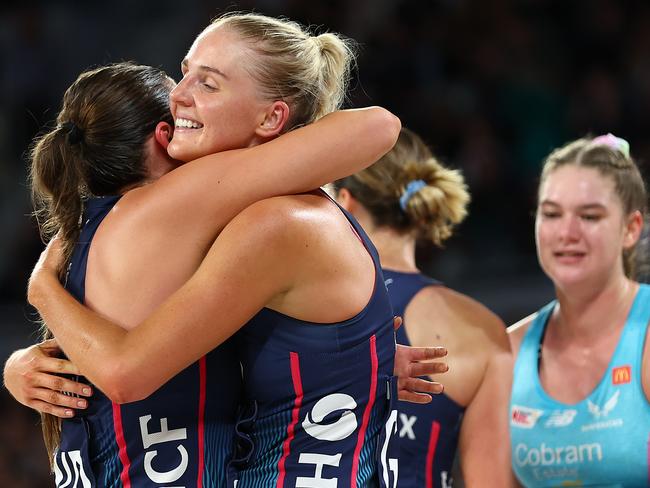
(621, 375)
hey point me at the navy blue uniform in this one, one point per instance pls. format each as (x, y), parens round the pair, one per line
(319, 397)
(428, 434)
(180, 436)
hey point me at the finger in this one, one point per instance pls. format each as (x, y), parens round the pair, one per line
(424, 353)
(49, 345)
(57, 365)
(413, 397)
(397, 322)
(420, 385)
(60, 384)
(425, 369)
(43, 407)
(58, 399)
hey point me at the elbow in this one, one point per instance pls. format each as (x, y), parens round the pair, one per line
(121, 384)
(385, 130)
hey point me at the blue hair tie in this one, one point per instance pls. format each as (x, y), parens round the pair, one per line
(411, 189)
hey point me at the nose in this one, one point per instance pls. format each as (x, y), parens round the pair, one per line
(570, 228)
(180, 95)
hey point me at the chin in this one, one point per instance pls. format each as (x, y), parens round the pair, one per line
(180, 153)
(566, 279)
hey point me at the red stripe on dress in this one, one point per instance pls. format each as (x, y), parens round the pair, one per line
(297, 388)
(374, 366)
(121, 444)
(431, 452)
(202, 381)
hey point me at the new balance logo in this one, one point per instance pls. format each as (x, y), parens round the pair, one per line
(561, 418)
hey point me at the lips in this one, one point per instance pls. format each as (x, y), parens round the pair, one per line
(569, 257)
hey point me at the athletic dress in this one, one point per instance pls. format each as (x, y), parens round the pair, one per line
(602, 440)
(428, 434)
(319, 397)
(180, 436)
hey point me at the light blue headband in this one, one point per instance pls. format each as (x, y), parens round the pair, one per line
(613, 142)
(411, 189)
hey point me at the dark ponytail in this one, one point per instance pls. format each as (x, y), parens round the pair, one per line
(97, 148)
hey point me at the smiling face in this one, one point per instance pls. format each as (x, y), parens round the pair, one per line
(216, 106)
(581, 229)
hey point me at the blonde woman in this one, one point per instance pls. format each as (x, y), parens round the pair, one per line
(405, 197)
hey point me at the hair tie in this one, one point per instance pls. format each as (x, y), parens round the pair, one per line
(613, 142)
(75, 134)
(411, 189)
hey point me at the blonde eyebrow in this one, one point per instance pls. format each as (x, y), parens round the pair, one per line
(209, 69)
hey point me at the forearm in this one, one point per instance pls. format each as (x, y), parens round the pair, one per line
(484, 443)
(120, 362)
(90, 341)
(205, 194)
(343, 143)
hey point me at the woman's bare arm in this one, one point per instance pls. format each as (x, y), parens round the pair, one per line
(210, 191)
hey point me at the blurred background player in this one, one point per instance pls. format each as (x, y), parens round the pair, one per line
(406, 197)
(581, 379)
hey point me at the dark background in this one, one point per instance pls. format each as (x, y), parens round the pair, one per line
(491, 85)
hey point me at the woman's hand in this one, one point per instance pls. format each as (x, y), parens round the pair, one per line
(413, 362)
(32, 377)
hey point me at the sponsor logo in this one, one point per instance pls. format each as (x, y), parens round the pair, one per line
(73, 466)
(320, 424)
(560, 476)
(557, 456)
(599, 412)
(324, 408)
(164, 437)
(446, 481)
(388, 281)
(605, 424)
(389, 466)
(406, 426)
(561, 418)
(524, 417)
(621, 375)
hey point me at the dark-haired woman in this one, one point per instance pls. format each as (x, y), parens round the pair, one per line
(220, 105)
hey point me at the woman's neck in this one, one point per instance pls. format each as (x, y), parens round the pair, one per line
(593, 313)
(396, 251)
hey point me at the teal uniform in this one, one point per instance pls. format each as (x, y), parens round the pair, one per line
(602, 440)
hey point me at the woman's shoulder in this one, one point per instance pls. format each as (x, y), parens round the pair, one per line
(469, 317)
(517, 331)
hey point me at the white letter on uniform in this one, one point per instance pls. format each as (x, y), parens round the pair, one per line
(318, 481)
